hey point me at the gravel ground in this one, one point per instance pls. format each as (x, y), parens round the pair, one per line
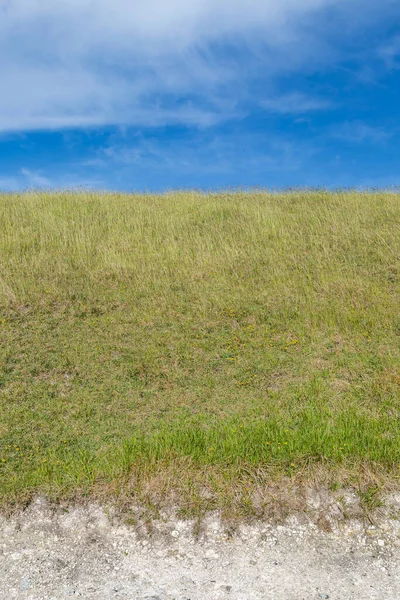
(87, 552)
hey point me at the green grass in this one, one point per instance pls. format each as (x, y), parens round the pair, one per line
(197, 341)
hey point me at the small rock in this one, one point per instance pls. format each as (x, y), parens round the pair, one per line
(25, 584)
(381, 543)
(324, 596)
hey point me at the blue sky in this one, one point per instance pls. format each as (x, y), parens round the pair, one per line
(163, 94)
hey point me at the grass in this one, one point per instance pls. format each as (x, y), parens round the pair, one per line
(202, 345)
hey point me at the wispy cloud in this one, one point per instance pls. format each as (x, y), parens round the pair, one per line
(205, 154)
(30, 178)
(35, 179)
(9, 184)
(295, 103)
(357, 132)
(23, 179)
(389, 52)
(80, 63)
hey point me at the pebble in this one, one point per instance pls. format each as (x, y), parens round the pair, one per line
(25, 584)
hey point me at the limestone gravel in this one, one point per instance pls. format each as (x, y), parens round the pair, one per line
(88, 552)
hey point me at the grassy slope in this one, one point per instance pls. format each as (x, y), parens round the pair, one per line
(193, 340)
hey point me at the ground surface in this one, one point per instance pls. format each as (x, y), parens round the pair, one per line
(177, 343)
(85, 553)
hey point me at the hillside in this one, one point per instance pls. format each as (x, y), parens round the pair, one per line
(198, 346)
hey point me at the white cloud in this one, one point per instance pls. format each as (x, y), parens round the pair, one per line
(357, 132)
(295, 103)
(35, 179)
(77, 63)
(9, 184)
(389, 52)
(31, 178)
(204, 153)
